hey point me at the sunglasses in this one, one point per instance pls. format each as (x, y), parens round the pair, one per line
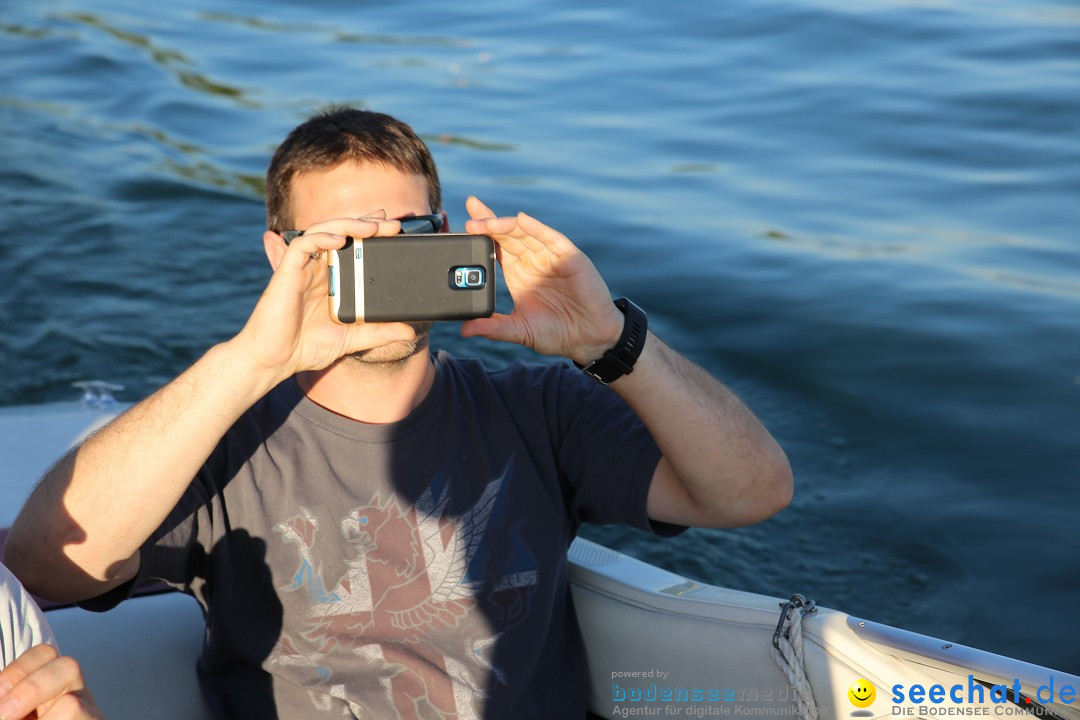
(412, 225)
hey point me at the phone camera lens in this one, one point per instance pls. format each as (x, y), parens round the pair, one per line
(467, 278)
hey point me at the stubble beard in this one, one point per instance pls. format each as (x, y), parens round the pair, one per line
(396, 353)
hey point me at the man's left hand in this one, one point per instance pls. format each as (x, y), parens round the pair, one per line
(561, 304)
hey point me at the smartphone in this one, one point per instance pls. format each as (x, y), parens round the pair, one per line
(404, 278)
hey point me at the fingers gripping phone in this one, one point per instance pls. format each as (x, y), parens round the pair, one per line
(403, 278)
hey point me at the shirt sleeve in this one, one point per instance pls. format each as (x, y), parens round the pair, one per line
(606, 455)
(22, 624)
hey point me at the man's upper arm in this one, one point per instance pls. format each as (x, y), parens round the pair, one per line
(669, 502)
(128, 571)
(116, 589)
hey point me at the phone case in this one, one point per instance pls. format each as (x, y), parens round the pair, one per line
(410, 277)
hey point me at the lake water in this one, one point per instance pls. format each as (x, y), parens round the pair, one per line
(861, 214)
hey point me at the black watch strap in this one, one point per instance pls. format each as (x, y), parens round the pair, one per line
(619, 360)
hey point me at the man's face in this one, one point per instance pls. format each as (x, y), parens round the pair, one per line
(352, 190)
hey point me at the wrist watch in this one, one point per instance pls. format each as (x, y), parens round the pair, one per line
(620, 359)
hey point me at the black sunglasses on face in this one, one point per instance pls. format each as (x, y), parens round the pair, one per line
(412, 225)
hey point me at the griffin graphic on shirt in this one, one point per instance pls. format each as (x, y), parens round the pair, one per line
(409, 603)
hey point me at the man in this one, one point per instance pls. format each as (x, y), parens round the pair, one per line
(373, 529)
(34, 678)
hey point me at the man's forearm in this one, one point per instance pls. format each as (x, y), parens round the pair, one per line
(82, 525)
(730, 466)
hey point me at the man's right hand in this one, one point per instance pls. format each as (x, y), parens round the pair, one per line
(43, 684)
(290, 329)
(80, 532)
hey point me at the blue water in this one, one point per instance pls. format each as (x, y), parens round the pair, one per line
(861, 215)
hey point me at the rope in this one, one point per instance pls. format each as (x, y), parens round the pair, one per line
(787, 651)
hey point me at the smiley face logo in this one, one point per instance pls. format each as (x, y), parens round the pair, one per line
(861, 693)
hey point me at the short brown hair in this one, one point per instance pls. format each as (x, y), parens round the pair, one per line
(341, 134)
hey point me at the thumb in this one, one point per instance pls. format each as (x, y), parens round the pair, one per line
(497, 327)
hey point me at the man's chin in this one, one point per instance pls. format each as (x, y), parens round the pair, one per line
(396, 353)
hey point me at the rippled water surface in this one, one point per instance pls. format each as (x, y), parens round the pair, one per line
(861, 215)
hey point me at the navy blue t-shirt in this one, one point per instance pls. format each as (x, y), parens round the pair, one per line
(416, 568)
